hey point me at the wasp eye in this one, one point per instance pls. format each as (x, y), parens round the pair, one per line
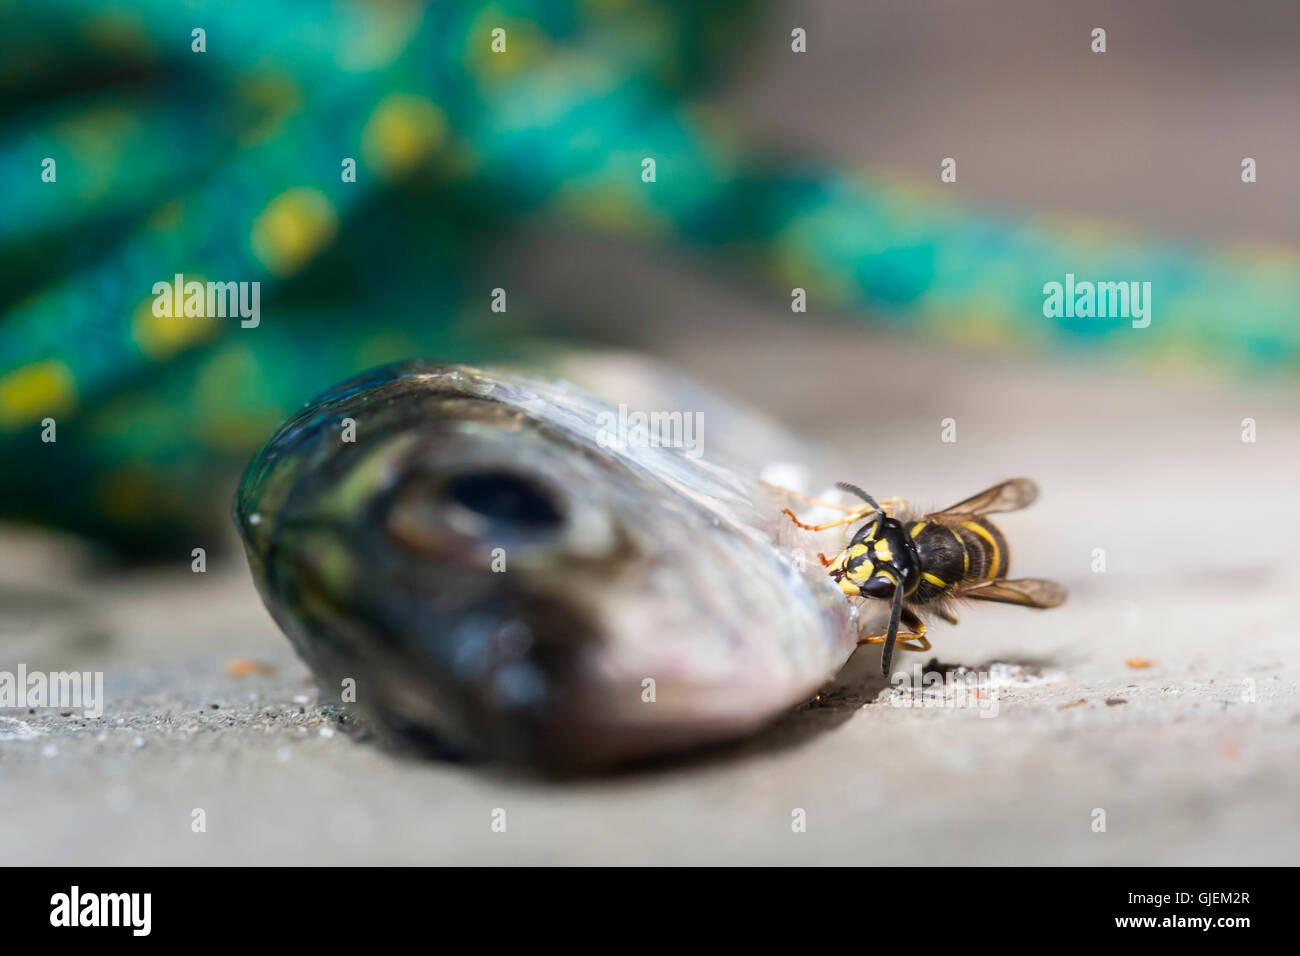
(878, 587)
(505, 499)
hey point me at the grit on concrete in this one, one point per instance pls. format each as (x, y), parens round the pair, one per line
(1193, 759)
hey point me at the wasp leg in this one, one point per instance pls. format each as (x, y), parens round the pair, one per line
(826, 562)
(891, 505)
(905, 643)
(915, 641)
(855, 515)
(802, 497)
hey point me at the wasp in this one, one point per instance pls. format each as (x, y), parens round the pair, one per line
(930, 561)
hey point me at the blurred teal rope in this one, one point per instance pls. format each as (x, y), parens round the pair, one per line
(225, 165)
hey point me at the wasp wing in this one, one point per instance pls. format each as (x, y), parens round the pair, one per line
(1009, 496)
(1027, 592)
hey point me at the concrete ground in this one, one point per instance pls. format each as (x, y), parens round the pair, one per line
(1193, 759)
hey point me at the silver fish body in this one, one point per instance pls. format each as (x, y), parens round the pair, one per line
(486, 571)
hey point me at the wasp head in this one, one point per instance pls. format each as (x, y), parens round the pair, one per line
(881, 557)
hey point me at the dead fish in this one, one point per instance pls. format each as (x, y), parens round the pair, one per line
(476, 558)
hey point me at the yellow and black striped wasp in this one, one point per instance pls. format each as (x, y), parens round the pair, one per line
(930, 561)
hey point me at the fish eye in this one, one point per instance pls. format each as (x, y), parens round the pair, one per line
(506, 499)
(431, 513)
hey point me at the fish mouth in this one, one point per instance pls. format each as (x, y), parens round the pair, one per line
(500, 679)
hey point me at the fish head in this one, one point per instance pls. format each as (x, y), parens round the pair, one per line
(462, 555)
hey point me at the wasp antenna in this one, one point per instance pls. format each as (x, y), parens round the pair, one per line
(895, 614)
(855, 490)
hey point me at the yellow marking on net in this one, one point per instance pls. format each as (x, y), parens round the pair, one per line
(402, 132)
(992, 571)
(36, 391)
(274, 97)
(233, 370)
(293, 227)
(598, 200)
(162, 336)
(934, 579)
(379, 34)
(525, 44)
(917, 528)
